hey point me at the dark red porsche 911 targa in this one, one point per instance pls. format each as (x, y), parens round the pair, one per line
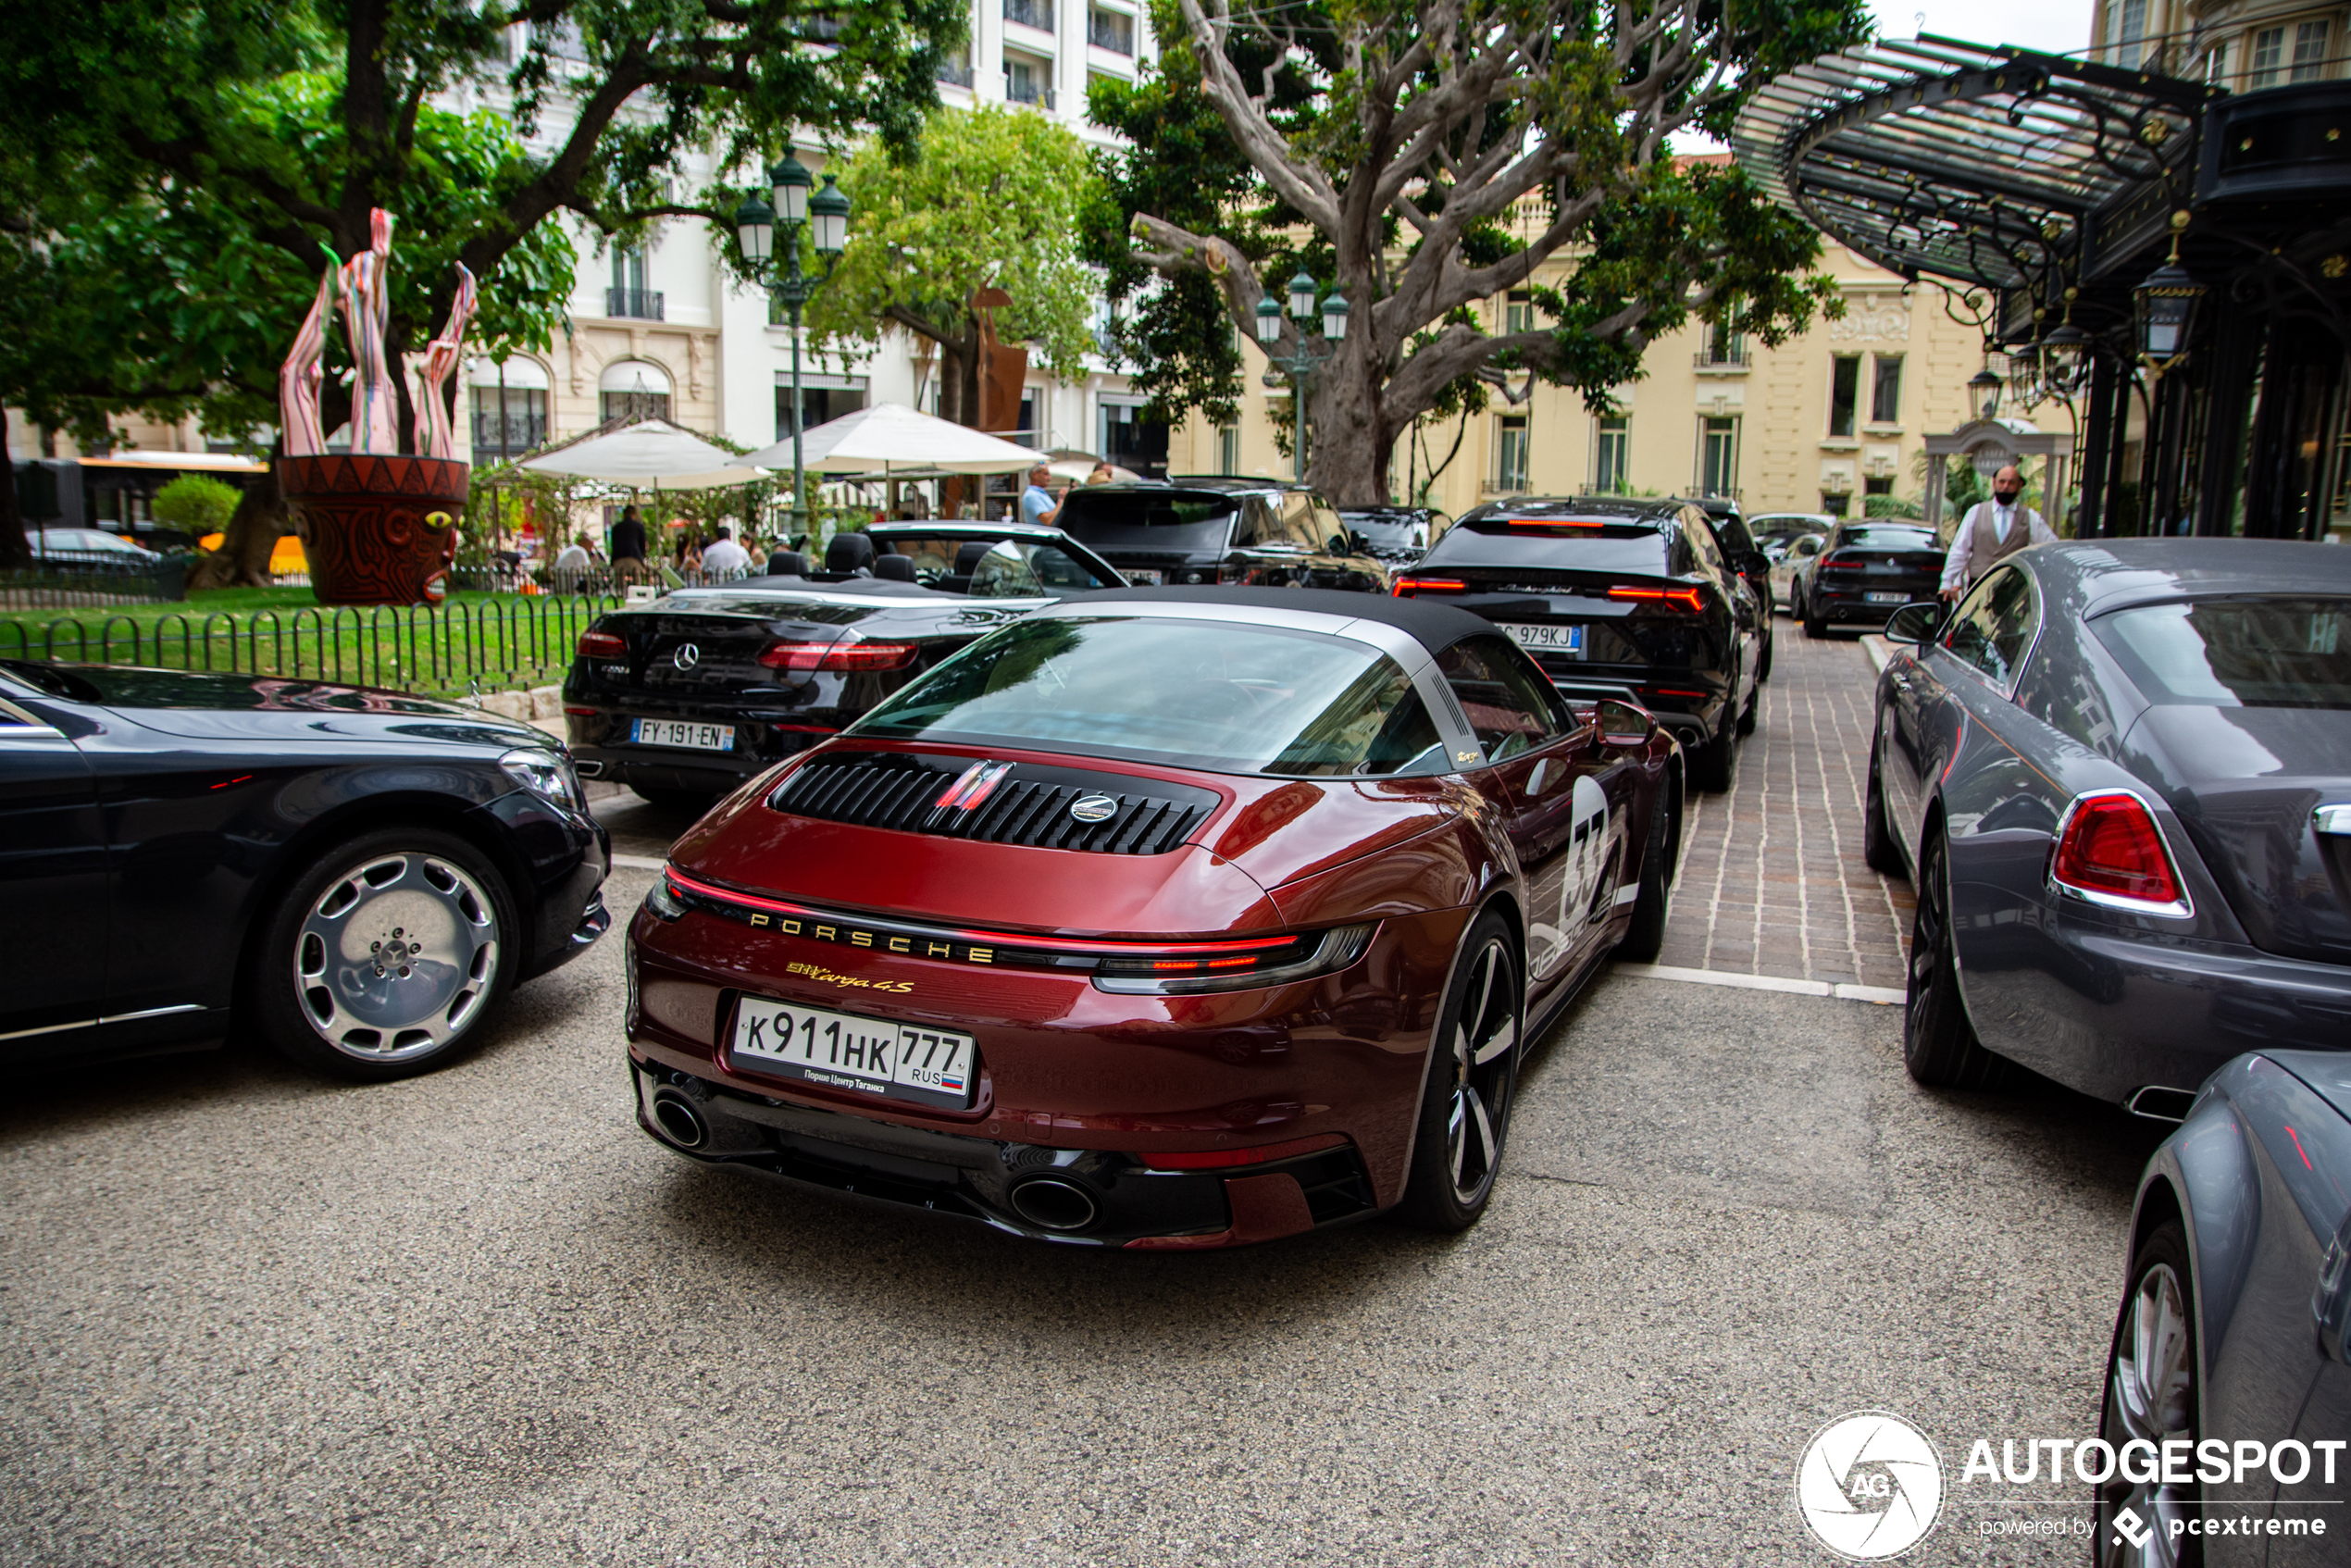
(1174, 917)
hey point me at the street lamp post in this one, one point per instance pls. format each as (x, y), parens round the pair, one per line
(1304, 361)
(755, 223)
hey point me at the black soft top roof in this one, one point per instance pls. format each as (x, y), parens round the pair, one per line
(1433, 626)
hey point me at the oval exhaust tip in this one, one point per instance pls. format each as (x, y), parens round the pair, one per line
(2159, 1104)
(678, 1120)
(1050, 1204)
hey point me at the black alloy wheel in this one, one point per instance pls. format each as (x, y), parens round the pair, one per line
(1646, 938)
(1939, 1045)
(383, 959)
(2151, 1396)
(1472, 1082)
(1878, 849)
(1813, 625)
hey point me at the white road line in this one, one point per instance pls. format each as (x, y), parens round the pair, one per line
(1841, 991)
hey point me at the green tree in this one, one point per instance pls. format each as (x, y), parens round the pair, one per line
(169, 170)
(1426, 157)
(992, 198)
(196, 504)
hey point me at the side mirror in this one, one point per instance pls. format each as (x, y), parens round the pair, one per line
(1623, 723)
(1336, 544)
(1914, 622)
(1758, 564)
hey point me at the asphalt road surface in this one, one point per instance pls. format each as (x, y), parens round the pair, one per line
(249, 1317)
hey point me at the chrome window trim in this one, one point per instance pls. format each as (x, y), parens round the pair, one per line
(2333, 818)
(2183, 909)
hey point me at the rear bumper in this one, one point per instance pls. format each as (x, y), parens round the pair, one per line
(1083, 1197)
(1832, 603)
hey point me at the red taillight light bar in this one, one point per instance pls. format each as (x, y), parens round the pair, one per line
(1412, 587)
(1688, 598)
(2109, 850)
(1554, 523)
(843, 657)
(602, 646)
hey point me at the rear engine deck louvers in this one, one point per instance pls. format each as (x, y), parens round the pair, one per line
(998, 803)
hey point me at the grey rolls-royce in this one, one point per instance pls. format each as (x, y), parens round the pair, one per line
(2119, 773)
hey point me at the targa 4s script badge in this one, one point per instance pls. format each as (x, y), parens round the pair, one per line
(1869, 1486)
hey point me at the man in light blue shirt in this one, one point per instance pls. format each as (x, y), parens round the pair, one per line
(1036, 502)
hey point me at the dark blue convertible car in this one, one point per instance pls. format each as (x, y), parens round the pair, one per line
(2119, 774)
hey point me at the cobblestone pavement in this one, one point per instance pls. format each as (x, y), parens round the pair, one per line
(1772, 881)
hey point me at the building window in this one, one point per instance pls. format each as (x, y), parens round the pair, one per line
(1510, 453)
(1725, 345)
(1835, 501)
(508, 432)
(1611, 455)
(1028, 81)
(1885, 390)
(1040, 13)
(628, 296)
(1518, 312)
(1718, 455)
(2131, 28)
(1132, 441)
(1228, 448)
(1114, 31)
(1845, 391)
(2269, 49)
(817, 405)
(2217, 65)
(1877, 484)
(2310, 52)
(955, 69)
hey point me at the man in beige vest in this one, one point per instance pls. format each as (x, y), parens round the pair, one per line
(1991, 532)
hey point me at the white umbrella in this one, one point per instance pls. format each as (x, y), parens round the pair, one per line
(650, 454)
(891, 437)
(1079, 469)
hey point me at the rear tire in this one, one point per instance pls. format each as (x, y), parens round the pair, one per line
(1646, 938)
(1472, 1085)
(1763, 669)
(1754, 710)
(1878, 848)
(2151, 1395)
(1939, 1045)
(382, 960)
(1714, 767)
(1814, 626)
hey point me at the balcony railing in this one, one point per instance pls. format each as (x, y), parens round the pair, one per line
(1028, 90)
(1031, 13)
(642, 305)
(955, 73)
(1111, 31)
(1734, 357)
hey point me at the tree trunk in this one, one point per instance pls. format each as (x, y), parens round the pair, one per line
(15, 549)
(1349, 443)
(242, 560)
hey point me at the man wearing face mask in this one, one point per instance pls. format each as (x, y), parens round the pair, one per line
(1991, 532)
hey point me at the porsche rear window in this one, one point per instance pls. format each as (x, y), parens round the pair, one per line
(1148, 519)
(1205, 694)
(2236, 652)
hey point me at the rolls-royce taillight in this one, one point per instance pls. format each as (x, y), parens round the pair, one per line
(2110, 851)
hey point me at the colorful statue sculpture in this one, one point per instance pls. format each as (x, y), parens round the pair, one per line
(379, 525)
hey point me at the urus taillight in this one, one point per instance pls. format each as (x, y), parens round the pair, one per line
(2109, 849)
(1413, 587)
(1688, 599)
(603, 645)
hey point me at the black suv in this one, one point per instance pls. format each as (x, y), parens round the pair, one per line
(1194, 529)
(1397, 535)
(1616, 598)
(1737, 544)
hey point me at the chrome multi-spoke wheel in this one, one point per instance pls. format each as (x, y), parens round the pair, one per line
(1473, 1079)
(385, 957)
(2150, 1398)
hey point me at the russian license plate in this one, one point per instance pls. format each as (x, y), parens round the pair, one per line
(1141, 576)
(843, 1051)
(1546, 639)
(1887, 598)
(686, 732)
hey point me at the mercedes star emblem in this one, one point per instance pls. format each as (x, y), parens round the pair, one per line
(687, 656)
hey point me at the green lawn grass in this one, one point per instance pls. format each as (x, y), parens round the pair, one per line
(474, 641)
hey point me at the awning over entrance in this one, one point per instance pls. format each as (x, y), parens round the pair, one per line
(1967, 161)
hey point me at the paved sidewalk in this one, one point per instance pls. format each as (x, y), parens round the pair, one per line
(1773, 882)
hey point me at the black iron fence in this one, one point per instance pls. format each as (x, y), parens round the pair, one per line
(74, 580)
(443, 650)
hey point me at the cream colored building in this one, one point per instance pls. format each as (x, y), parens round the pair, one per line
(1812, 425)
